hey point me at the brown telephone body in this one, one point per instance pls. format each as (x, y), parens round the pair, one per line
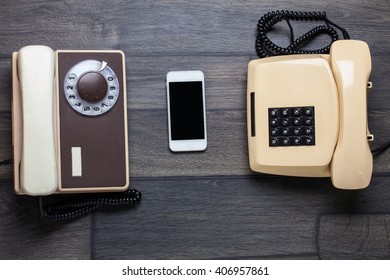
(69, 121)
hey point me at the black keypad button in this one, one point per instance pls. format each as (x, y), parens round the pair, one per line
(308, 111)
(285, 112)
(308, 121)
(297, 141)
(273, 112)
(291, 126)
(297, 121)
(308, 140)
(274, 141)
(285, 141)
(297, 130)
(275, 122)
(308, 130)
(286, 121)
(286, 131)
(275, 131)
(297, 111)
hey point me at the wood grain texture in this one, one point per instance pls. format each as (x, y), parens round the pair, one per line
(228, 217)
(195, 205)
(359, 237)
(24, 236)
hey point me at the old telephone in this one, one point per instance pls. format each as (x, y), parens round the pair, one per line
(69, 121)
(307, 113)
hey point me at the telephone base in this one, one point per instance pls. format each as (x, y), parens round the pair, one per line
(331, 138)
(89, 123)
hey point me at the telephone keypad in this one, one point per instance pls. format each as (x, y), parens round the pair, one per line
(291, 126)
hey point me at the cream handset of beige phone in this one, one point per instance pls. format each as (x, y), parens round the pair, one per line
(38, 169)
(307, 115)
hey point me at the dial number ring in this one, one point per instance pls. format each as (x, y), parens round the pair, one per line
(82, 106)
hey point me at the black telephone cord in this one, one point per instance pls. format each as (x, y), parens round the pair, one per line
(62, 212)
(66, 211)
(265, 47)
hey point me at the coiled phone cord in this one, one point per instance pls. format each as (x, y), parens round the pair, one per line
(265, 47)
(67, 211)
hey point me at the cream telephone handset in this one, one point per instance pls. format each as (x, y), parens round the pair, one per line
(38, 168)
(69, 118)
(307, 114)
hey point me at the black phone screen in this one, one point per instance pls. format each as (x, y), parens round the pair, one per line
(186, 110)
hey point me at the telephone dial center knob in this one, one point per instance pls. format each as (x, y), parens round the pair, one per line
(92, 87)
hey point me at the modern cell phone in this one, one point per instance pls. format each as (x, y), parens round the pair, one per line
(186, 111)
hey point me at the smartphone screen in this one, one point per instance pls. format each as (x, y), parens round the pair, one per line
(186, 110)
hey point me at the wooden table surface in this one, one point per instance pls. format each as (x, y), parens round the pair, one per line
(195, 205)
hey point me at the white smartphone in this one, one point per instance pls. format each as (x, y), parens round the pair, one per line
(186, 111)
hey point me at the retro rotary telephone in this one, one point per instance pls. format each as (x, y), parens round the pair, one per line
(70, 128)
(307, 110)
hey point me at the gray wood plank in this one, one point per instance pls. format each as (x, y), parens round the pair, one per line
(24, 236)
(163, 27)
(354, 237)
(228, 217)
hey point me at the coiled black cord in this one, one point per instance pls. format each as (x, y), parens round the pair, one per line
(71, 210)
(265, 47)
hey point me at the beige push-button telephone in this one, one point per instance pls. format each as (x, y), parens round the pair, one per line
(307, 115)
(69, 121)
